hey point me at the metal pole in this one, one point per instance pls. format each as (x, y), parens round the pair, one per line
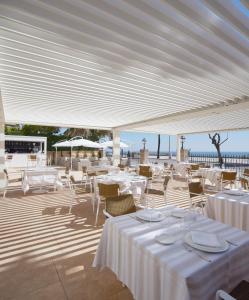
(71, 159)
(56, 156)
(169, 148)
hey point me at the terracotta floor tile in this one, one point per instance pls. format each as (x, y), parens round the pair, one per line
(51, 292)
(23, 280)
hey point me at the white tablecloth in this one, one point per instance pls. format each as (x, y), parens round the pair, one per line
(229, 209)
(107, 168)
(127, 182)
(40, 177)
(157, 169)
(156, 272)
(181, 168)
(213, 175)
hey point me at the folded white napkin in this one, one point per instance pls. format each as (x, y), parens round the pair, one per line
(205, 239)
(234, 192)
(151, 213)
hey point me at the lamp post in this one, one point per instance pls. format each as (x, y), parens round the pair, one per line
(182, 140)
(144, 141)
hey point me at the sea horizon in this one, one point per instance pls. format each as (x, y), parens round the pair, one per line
(165, 153)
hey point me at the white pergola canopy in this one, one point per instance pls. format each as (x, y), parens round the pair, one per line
(146, 65)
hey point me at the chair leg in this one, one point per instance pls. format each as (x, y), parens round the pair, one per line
(93, 202)
(165, 197)
(71, 202)
(97, 213)
(92, 190)
(4, 194)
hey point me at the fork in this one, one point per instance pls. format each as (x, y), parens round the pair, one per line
(231, 243)
(197, 253)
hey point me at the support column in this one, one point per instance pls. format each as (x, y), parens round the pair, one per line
(2, 135)
(178, 148)
(116, 147)
(2, 146)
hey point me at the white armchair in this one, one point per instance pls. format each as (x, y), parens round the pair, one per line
(3, 182)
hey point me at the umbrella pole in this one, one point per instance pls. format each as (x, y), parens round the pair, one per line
(71, 159)
(56, 156)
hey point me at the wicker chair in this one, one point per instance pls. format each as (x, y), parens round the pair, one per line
(65, 178)
(202, 165)
(168, 170)
(244, 183)
(90, 179)
(76, 188)
(246, 172)
(3, 182)
(106, 191)
(144, 170)
(84, 173)
(120, 205)
(193, 173)
(196, 191)
(165, 186)
(228, 178)
(32, 160)
(122, 167)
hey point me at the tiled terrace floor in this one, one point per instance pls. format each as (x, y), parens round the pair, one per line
(46, 253)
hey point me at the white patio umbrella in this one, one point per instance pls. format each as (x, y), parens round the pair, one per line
(109, 144)
(75, 142)
(80, 142)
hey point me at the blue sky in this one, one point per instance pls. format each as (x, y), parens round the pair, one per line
(237, 141)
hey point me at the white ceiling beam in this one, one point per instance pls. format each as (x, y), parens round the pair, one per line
(2, 117)
(188, 115)
(62, 125)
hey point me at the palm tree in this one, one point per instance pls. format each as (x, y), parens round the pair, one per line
(158, 145)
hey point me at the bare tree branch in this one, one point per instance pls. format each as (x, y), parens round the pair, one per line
(224, 141)
(216, 141)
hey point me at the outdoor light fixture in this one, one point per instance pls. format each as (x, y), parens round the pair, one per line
(144, 141)
(182, 140)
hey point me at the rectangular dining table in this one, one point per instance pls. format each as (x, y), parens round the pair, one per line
(153, 271)
(40, 177)
(229, 209)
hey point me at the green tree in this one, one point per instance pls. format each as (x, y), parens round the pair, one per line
(13, 130)
(52, 133)
(90, 134)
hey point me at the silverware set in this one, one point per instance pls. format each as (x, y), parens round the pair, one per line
(202, 256)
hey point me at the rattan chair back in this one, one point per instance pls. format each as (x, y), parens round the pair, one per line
(195, 189)
(228, 176)
(121, 205)
(108, 190)
(244, 183)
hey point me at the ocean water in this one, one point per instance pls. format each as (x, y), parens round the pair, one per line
(202, 153)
